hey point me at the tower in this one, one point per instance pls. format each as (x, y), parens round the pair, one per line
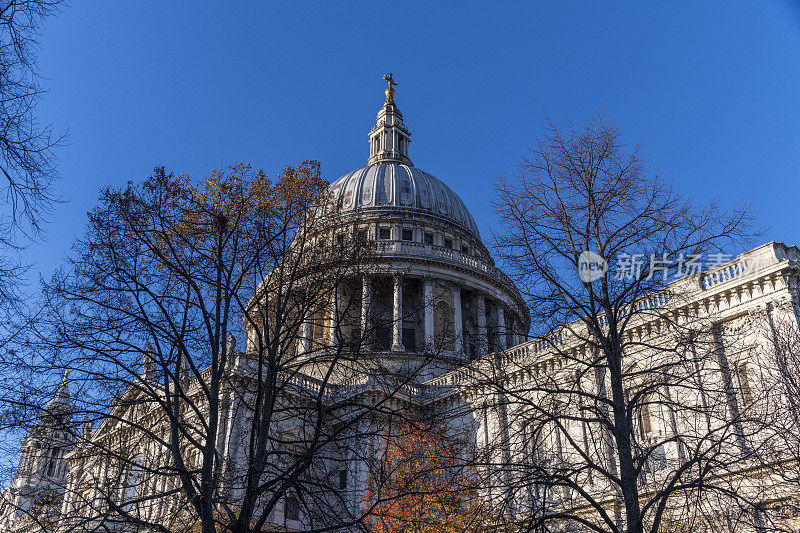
(39, 483)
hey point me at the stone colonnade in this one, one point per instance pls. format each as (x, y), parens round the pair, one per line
(479, 302)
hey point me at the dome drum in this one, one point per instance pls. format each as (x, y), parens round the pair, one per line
(417, 309)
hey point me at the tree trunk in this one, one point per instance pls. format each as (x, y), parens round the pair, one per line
(622, 437)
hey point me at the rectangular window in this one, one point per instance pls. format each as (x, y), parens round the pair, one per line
(384, 234)
(318, 326)
(410, 339)
(448, 243)
(53, 458)
(645, 420)
(743, 373)
(408, 235)
(657, 460)
(342, 479)
(429, 239)
(465, 249)
(530, 450)
(292, 508)
(383, 337)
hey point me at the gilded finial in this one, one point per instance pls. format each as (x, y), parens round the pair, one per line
(390, 89)
(66, 376)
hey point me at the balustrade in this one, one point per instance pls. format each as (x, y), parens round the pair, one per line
(441, 253)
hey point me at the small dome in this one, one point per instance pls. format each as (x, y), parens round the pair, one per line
(396, 185)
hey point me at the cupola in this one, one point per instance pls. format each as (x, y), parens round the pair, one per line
(389, 139)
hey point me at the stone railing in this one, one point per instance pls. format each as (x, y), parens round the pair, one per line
(725, 273)
(534, 348)
(306, 384)
(529, 350)
(303, 384)
(439, 253)
(353, 387)
(747, 264)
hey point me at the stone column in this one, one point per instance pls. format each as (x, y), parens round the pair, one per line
(480, 309)
(428, 303)
(397, 316)
(366, 305)
(501, 326)
(457, 322)
(334, 332)
(305, 335)
(513, 329)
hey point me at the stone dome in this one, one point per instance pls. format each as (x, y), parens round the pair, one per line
(396, 185)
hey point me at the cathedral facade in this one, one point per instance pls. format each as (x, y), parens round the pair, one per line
(433, 277)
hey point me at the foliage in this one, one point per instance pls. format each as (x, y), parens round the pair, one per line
(173, 274)
(426, 486)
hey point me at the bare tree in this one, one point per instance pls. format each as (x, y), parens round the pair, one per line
(181, 426)
(28, 169)
(624, 413)
(26, 147)
(778, 325)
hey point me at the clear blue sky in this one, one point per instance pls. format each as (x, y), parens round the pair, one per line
(710, 89)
